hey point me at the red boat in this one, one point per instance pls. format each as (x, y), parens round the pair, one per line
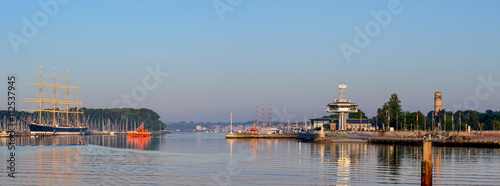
(254, 130)
(139, 132)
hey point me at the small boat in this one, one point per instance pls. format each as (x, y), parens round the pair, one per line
(4, 135)
(254, 130)
(139, 132)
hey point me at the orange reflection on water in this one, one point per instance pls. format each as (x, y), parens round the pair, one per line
(138, 142)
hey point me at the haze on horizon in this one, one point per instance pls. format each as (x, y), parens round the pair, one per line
(288, 53)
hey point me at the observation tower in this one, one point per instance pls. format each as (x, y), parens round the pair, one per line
(342, 106)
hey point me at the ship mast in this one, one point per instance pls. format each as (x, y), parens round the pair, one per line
(77, 103)
(67, 98)
(256, 120)
(263, 124)
(40, 102)
(54, 101)
(269, 117)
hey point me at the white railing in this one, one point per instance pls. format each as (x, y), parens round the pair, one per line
(342, 109)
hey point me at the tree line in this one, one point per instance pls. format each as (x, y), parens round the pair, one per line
(109, 119)
(392, 115)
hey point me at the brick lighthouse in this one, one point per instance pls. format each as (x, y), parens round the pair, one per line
(437, 103)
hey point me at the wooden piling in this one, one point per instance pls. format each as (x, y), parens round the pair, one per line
(427, 164)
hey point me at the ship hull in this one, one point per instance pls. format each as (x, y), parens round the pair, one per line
(35, 128)
(135, 134)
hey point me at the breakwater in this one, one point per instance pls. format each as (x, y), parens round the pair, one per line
(261, 136)
(438, 142)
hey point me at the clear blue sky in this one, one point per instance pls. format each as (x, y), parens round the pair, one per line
(287, 52)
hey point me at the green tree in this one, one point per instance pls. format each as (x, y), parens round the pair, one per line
(357, 114)
(391, 113)
(382, 116)
(496, 125)
(333, 116)
(395, 111)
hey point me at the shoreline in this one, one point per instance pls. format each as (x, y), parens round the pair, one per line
(439, 139)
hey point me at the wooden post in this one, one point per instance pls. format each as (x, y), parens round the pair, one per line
(427, 164)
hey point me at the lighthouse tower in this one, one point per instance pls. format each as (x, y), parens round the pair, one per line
(342, 106)
(437, 103)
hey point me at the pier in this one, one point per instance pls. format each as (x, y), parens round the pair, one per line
(261, 136)
(438, 142)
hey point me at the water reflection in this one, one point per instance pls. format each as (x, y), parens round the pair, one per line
(201, 159)
(390, 156)
(43, 141)
(149, 143)
(140, 143)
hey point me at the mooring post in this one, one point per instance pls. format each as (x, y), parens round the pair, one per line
(427, 164)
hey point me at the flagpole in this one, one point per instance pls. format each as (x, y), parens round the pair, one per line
(444, 124)
(417, 119)
(397, 121)
(460, 121)
(425, 123)
(432, 126)
(452, 122)
(231, 123)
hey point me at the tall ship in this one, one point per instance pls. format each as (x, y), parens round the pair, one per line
(61, 118)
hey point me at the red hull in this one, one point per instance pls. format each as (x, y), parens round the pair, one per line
(140, 132)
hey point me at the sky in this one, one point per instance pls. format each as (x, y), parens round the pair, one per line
(201, 60)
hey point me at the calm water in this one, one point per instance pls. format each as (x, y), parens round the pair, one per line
(210, 159)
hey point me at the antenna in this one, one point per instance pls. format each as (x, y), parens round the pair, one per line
(342, 88)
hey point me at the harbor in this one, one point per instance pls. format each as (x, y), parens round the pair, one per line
(209, 154)
(233, 92)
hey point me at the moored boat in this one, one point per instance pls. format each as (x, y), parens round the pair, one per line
(4, 135)
(55, 120)
(37, 128)
(139, 132)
